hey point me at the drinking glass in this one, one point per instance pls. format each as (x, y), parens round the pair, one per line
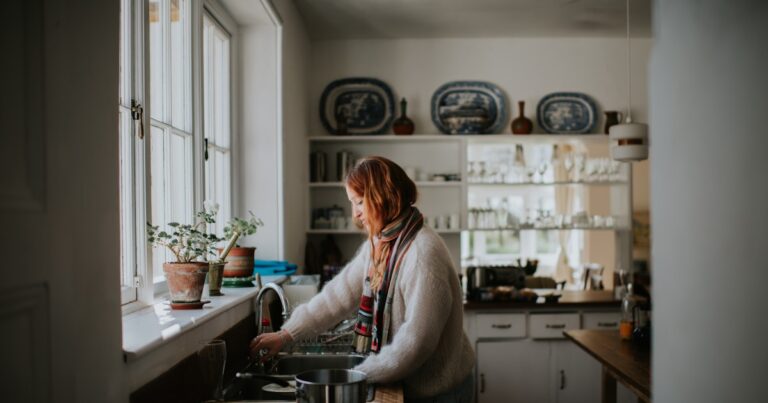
(212, 358)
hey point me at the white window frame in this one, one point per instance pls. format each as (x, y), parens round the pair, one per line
(138, 289)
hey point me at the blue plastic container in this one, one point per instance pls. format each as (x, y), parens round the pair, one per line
(274, 267)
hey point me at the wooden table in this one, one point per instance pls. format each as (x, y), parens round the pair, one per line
(388, 394)
(621, 361)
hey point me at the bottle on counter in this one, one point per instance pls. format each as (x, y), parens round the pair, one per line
(628, 304)
(641, 334)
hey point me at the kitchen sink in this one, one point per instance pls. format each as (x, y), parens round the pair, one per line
(295, 364)
(252, 385)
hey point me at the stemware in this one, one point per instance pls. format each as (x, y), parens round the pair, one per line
(212, 358)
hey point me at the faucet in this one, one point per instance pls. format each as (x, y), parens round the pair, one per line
(260, 297)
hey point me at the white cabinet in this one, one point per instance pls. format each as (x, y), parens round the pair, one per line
(513, 371)
(523, 357)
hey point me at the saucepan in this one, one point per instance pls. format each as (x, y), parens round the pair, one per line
(331, 386)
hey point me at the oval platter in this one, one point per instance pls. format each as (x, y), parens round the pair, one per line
(367, 104)
(469, 107)
(567, 113)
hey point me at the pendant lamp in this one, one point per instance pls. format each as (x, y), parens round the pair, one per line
(629, 140)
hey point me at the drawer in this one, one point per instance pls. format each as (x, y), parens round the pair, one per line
(602, 320)
(552, 326)
(504, 325)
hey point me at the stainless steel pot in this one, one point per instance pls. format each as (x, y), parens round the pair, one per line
(331, 386)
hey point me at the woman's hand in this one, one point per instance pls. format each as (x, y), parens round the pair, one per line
(266, 345)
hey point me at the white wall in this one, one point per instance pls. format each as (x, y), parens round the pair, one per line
(709, 197)
(258, 138)
(295, 64)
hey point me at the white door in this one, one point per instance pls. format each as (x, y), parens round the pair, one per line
(577, 374)
(513, 371)
(60, 338)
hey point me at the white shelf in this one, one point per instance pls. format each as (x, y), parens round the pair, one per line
(360, 232)
(418, 184)
(537, 138)
(548, 229)
(521, 184)
(384, 137)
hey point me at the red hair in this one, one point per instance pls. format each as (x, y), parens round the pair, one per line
(386, 190)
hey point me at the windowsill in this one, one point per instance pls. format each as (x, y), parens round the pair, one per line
(157, 324)
(151, 327)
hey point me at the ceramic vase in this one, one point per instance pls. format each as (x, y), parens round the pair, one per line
(612, 118)
(185, 280)
(239, 262)
(403, 125)
(521, 124)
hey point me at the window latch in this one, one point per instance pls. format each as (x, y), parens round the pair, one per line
(138, 282)
(137, 114)
(205, 147)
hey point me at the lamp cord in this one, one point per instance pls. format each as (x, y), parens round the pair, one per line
(629, 74)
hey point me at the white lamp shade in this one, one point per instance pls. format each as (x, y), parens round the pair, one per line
(629, 141)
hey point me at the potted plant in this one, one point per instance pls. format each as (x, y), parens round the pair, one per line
(189, 243)
(239, 260)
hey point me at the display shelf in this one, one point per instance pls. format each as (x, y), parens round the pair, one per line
(420, 184)
(522, 184)
(473, 138)
(360, 232)
(385, 137)
(547, 229)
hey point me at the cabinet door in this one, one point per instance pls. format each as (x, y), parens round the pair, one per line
(577, 374)
(514, 371)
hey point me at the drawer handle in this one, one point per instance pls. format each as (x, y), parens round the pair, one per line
(607, 324)
(559, 326)
(482, 383)
(497, 326)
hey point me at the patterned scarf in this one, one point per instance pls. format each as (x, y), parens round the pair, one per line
(375, 312)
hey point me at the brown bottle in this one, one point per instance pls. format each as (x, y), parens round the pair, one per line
(403, 125)
(521, 124)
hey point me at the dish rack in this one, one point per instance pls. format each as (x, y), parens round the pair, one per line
(338, 340)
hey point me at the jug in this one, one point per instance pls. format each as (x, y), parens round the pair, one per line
(612, 118)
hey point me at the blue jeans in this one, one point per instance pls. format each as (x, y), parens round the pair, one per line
(460, 394)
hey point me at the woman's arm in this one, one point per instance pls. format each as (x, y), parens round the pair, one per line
(337, 301)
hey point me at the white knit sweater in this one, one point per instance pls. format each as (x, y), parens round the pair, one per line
(428, 350)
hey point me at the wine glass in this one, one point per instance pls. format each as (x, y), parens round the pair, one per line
(212, 358)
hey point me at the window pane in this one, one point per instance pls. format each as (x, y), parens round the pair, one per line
(180, 67)
(157, 59)
(216, 117)
(125, 53)
(127, 217)
(171, 185)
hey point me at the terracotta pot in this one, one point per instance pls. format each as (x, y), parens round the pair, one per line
(215, 273)
(185, 280)
(239, 262)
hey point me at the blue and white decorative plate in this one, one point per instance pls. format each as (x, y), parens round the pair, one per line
(567, 113)
(469, 107)
(366, 104)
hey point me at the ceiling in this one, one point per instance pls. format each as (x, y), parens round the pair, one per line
(387, 19)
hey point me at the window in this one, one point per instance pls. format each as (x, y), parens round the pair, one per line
(166, 136)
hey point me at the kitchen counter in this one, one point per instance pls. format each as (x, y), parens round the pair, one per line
(622, 361)
(570, 299)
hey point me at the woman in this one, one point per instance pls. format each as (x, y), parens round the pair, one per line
(404, 288)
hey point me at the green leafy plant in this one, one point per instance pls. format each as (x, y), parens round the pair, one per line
(188, 242)
(237, 227)
(240, 227)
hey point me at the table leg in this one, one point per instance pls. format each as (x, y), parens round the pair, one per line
(609, 387)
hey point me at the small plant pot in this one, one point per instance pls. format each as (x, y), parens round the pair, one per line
(185, 280)
(215, 273)
(239, 262)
